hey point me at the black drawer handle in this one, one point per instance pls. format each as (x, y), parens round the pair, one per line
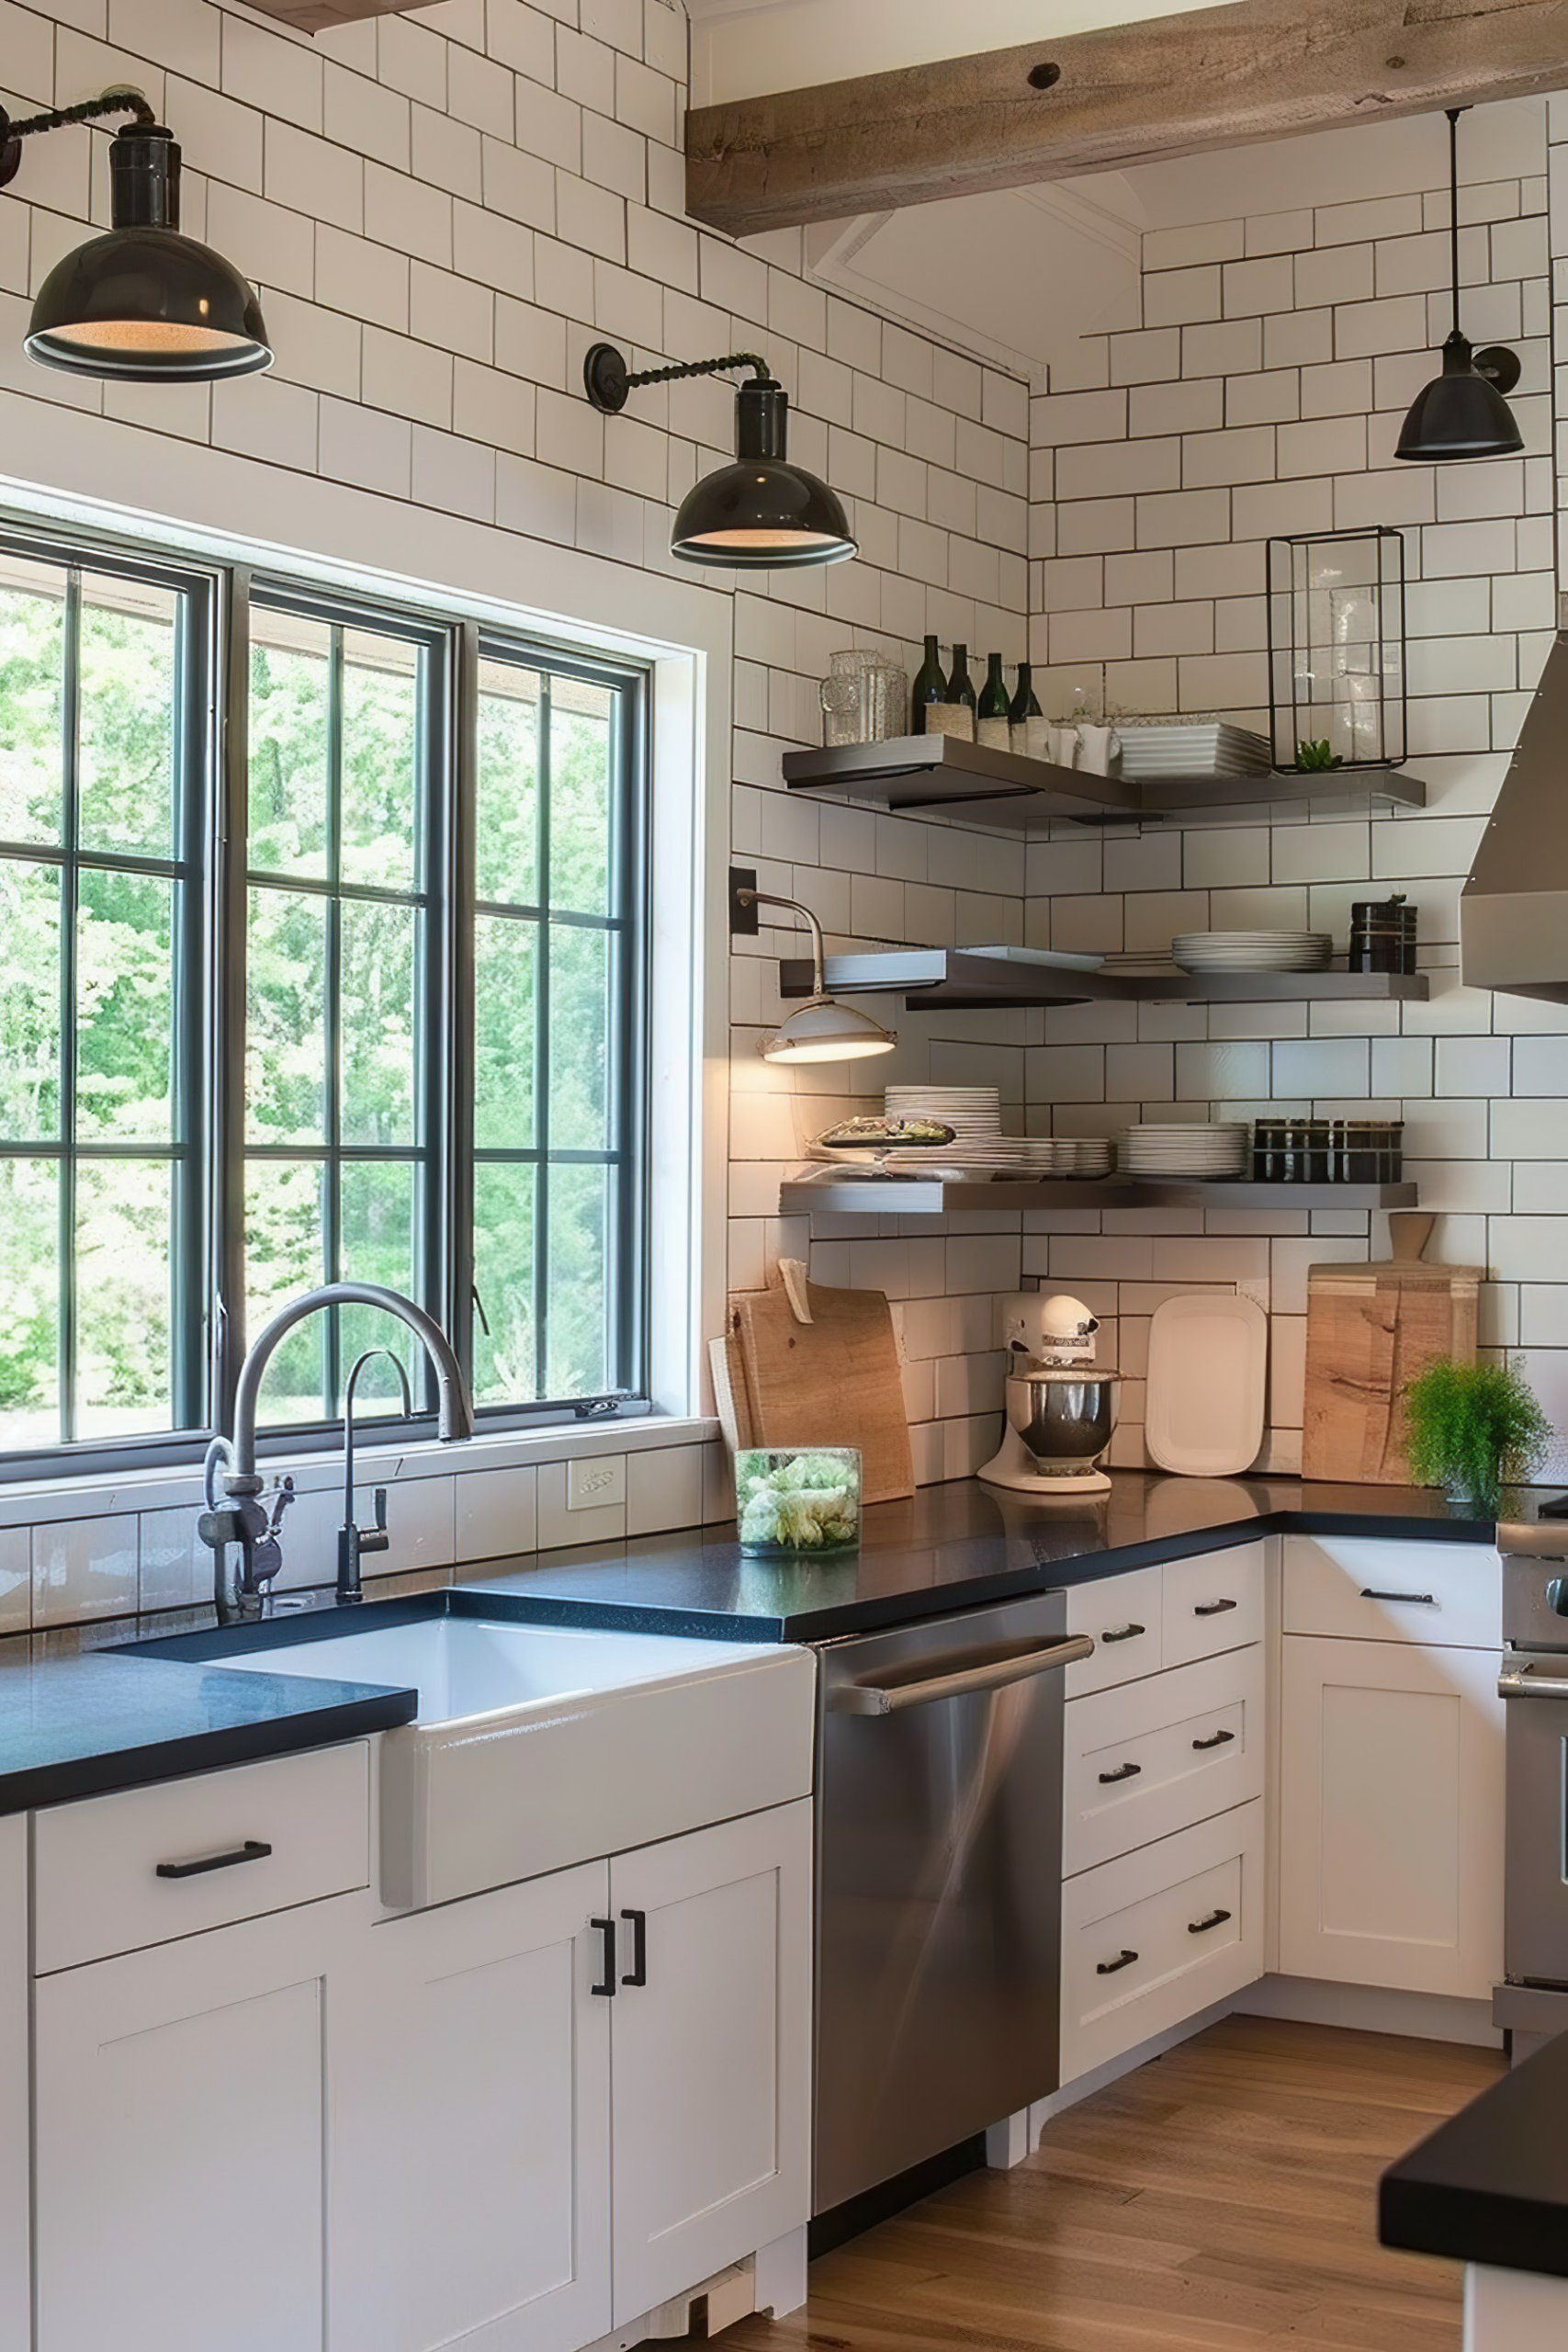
(1215, 1739)
(1202, 1926)
(253, 1850)
(1123, 1634)
(637, 1972)
(1122, 1772)
(1213, 1607)
(1416, 1600)
(605, 1988)
(1109, 1967)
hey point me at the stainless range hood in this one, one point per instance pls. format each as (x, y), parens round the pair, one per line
(1512, 915)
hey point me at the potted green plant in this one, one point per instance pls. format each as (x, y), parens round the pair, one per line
(1471, 1426)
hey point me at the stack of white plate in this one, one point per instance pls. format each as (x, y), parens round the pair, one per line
(1023, 1158)
(1193, 747)
(1252, 951)
(973, 1113)
(1195, 1151)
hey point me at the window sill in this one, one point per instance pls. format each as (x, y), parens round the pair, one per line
(39, 1501)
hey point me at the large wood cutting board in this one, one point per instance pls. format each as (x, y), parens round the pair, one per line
(834, 1381)
(1371, 1328)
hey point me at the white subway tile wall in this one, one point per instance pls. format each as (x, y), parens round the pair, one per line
(1308, 362)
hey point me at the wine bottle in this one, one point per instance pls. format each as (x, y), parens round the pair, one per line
(992, 709)
(1025, 706)
(930, 686)
(959, 688)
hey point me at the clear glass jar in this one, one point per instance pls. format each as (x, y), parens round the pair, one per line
(796, 1501)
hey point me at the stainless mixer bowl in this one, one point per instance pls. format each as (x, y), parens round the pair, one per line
(1064, 1417)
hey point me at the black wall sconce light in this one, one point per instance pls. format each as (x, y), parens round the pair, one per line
(1462, 412)
(142, 305)
(760, 514)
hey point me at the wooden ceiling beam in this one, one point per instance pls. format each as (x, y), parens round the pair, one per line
(1103, 101)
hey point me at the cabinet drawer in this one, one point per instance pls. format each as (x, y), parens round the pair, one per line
(1151, 1758)
(1212, 1603)
(1368, 1590)
(1122, 1615)
(1155, 1936)
(96, 1884)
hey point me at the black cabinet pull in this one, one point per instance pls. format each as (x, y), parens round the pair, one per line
(1122, 1772)
(1202, 1926)
(637, 1972)
(254, 1850)
(1416, 1600)
(1213, 1607)
(605, 1988)
(1215, 1739)
(1123, 1633)
(1109, 1967)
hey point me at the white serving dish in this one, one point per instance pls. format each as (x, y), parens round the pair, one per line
(536, 1747)
(1208, 1374)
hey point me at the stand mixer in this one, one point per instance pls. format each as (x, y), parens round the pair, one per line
(1061, 1407)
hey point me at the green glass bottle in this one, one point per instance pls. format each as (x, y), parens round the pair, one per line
(1025, 706)
(959, 688)
(991, 714)
(930, 686)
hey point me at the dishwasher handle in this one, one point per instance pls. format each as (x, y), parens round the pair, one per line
(994, 1674)
(1524, 1682)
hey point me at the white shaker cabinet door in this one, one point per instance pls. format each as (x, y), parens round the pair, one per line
(1390, 1866)
(16, 2285)
(182, 2108)
(711, 2056)
(473, 2196)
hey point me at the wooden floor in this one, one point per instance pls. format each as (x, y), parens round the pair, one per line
(1221, 2197)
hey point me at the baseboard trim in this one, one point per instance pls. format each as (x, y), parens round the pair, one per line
(1371, 2008)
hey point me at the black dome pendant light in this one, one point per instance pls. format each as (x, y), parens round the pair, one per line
(760, 514)
(1462, 414)
(142, 305)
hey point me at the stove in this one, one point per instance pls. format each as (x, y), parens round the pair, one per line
(1532, 2001)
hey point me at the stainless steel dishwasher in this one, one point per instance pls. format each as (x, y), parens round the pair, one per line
(939, 1885)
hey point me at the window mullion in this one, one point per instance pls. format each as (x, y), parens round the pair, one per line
(456, 797)
(332, 1173)
(542, 1056)
(226, 1015)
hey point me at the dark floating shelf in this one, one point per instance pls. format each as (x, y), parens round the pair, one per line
(929, 977)
(836, 1194)
(942, 776)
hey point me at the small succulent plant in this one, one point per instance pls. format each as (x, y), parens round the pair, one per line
(1317, 759)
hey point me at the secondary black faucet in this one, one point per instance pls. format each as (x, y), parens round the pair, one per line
(353, 1539)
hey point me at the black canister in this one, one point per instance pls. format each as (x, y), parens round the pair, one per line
(1383, 935)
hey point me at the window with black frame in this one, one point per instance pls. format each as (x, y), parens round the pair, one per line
(441, 961)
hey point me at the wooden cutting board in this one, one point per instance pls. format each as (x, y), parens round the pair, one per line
(1369, 1330)
(834, 1381)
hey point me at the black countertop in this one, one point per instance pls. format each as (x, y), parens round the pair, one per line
(74, 1726)
(1490, 2185)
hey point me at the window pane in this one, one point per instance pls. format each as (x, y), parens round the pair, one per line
(503, 1277)
(580, 842)
(505, 954)
(126, 727)
(124, 1007)
(32, 664)
(123, 1306)
(580, 1039)
(288, 744)
(30, 1000)
(578, 1305)
(379, 1245)
(283, 1256)
(380, 760)
(29, 1326)
(286, 1058)
(508, 785)
(381, 1054)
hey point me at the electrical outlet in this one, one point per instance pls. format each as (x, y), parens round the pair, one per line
(595, 1482)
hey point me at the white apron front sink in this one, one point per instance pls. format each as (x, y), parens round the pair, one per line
(538, 1747)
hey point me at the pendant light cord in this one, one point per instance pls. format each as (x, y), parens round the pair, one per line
(1453, 114)
(705, 367)
(129, 102)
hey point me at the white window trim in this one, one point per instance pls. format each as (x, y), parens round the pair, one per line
(75, 467)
